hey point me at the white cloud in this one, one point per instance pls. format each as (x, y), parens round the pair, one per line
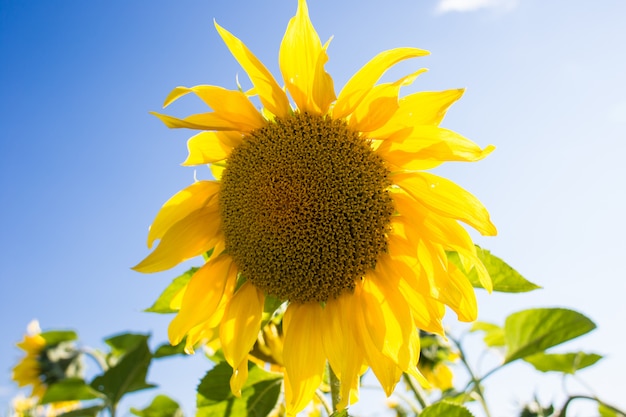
(445, 6)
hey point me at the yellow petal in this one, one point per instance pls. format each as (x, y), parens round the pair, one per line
(193, 235)
(379, 105)
(388, 319)
(386, 370)
(457, 293)
(302, 60)
(446, 199)
(430, 143)
(364, 79)
(341, 348)
(419, 109)
(323, 84)
(204, 293)
(239, 330)
(183, 203)
(231, 105)
(303, 354)
(427, 312)
(271, 95)
(206, 148)
(201, 121)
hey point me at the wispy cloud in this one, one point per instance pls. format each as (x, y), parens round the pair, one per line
(445, 6)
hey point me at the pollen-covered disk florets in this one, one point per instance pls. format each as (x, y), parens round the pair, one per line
(305, 208)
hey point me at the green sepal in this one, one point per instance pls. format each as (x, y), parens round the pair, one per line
(503, 276)
(341, 413)
(258, 396)
(567, 363)
(162, 304)
(161, 406)
(70, 389)
(446, 409)
(533, 331)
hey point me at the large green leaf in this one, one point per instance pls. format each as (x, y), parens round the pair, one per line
(162, 304)
(128, 373)
(494, 334)
(445, 409)
(258, 396)
(161, 406)
(123, 343)
(70, 389)
(503, 276)
(567, 363)
(533, 331)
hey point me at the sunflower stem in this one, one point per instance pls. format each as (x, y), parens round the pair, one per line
(474, 379)
(327, 407)
(335, 387)
(416, 390)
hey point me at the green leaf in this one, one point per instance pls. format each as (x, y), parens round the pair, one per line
(55, 337)
(258, 396)
(168, 350)
(162, 304)
(503, 276)
(70, 389)
(533, 331)
(161, 406)
(606, 411)
(83, 412)
(567, 363)
(494, 334)
(125, 342)
(446, 409)
(129, 373)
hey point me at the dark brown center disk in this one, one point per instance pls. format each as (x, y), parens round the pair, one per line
(305, 208)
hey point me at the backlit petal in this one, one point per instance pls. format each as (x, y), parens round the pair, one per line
(430, 143)
(206, 148)
(204, 293)
(302, 60)
(364, 80)
(239, 330)
(447, 199)
(201, 121)
(271, 95)
(303, 354)
(193, 235)
(183, 203)
(425, 108)
(379, 105)
(232, 105)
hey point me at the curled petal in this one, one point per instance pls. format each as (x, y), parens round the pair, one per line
(239, 330)
(271, 95)
(364, 80)
(203, 295)
(183, 203)
(444, 197)
(191, 236)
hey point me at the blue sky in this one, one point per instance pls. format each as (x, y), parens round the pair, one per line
(84, 167)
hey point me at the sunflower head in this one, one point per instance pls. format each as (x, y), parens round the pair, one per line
(49, 358)
(321, 202)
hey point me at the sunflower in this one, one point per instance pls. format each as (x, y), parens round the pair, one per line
(321, 202)
(28, 370)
